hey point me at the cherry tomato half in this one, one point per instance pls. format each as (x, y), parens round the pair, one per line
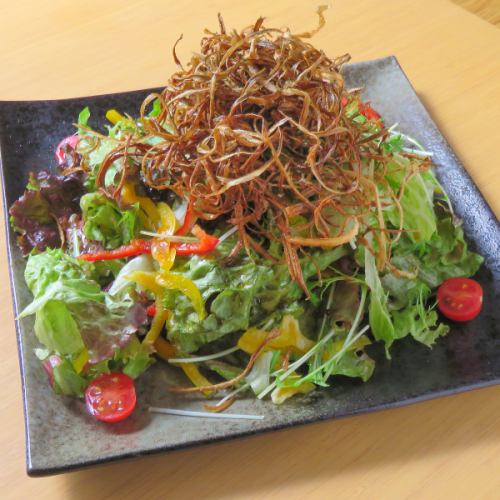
(460, 299)
(111, 397)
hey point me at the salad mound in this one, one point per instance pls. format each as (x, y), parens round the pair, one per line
(256, 225)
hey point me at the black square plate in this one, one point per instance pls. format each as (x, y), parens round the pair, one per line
(60, 434)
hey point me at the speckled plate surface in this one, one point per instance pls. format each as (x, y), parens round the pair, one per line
(60, 436)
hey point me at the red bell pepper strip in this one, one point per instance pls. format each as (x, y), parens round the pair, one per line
(368, 112)
(134, 248)
(67, 142)
(189, 220)
(206, 244)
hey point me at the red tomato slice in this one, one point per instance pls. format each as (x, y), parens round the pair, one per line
(460, 299)
(111, 397)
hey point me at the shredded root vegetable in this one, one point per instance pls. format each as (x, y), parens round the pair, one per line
(255, 126)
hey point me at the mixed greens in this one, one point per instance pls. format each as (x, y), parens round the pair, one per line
(258, 228)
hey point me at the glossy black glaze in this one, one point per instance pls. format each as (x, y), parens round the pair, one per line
(61, 436)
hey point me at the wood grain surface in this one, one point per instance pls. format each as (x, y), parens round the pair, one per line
(446, 448)
(487, 9)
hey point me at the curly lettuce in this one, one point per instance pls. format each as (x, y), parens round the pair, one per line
(106, 223)
(75, 320)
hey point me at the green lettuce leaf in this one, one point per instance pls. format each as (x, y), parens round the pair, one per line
(72, 312)
(355, 365)
(415, 318)
(227, 290)
(51, 266)
(67, 381)
(416, 202)
(136, 358)
(223, 369)
(155, 110)
(104, 222)
(56, 329)
(378, 314)
(259, 375)
(445, 255)
(83, 119)
(107, 327)
(252, 293)
(70, 291)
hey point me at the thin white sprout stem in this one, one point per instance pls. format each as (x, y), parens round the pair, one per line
(76, 244)
(409, 139)
(392, 127)
(208, 357)
(204, 414)
(419, 152)
(232, 394)
(414, 141)
(227, 234)
(311, 351)
(347, 343)
(323, 323)
(171, 237)
(356, 321)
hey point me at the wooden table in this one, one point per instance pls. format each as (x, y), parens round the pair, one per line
(487, 9)
(447, 448)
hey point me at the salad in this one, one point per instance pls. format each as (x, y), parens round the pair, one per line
(256, 225)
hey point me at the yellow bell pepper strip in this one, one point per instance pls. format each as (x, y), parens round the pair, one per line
(155, 282)
(173, 281)
(193, 373)
(164, 254)
(147, 280)
(161, 315)
(166, 351)
(158, 282)
(167, 218)
(162, 250)
(150, 217)
(80, 361)
(290, 337)
(114, 117)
